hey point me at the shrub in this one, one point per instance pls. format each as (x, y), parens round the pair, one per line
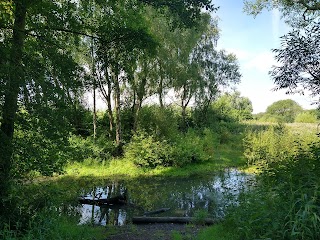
(274, 144)
(194, 147)
(306, 117)
(286, 204)
(84, 148)
(146, 151)
(159, 122)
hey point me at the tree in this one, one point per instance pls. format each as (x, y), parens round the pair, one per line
(306, 116)
(299, 59)
(234, 106)
(298, 13)
(299, 53)
(27, 25)
(200, 69)
(284, 110)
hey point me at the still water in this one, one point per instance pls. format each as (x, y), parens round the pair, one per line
(186, 197)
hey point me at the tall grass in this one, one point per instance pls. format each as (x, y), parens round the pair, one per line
(277, 142)
(49, 225)
(286, 202)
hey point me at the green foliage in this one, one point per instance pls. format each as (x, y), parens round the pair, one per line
(233, 106)
(81, 120)
(194, 147)
(275, 143)
(269, 118)
(306, 117)
(162, 122)
(51, 225)
(146, 151)
(40, 143)
(286, 203)
(272, 144)
(200, 217)
(296, 13)
(284, 110)
(99, 149)
(217, 232)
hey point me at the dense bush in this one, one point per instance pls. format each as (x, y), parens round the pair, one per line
(306, 117)
(286, 204)
(274, 144)
(40, 143)
(145, 151)
(193, 147)
(161, 122)
(97, 149)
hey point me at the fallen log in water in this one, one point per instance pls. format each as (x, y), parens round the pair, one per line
(181, 220)
(120, 200)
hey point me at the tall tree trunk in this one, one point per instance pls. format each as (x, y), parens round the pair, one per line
(185, 100)
(136, 114)
(140, 95)
(107, 96)
(109, 110)
(94, 110)
(160, 88)
(184, 116)
(160, 92)
(93, 69)
(14, 82)
(184, 107)
(117, 109)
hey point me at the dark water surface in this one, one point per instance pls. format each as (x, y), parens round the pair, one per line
(186, 197)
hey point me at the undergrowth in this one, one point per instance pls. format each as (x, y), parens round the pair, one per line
(286, 202)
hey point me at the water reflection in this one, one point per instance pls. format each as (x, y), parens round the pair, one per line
(184, 197)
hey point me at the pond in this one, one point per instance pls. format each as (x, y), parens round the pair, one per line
(182, 197)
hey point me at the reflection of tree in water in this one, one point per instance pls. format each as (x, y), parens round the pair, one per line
(183, 196)
(108, 213)
(111, 213)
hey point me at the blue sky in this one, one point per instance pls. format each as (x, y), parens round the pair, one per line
(252, 39)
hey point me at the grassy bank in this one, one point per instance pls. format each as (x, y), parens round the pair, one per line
(224, 157)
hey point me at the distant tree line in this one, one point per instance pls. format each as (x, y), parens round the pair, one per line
(287, 111)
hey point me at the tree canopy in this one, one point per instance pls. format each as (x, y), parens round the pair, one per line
(284, 110)
(234, 105)
(43, 47)
(298, 56)
(299, 61)
(297, 13)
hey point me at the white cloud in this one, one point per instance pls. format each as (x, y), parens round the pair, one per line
(261, 62)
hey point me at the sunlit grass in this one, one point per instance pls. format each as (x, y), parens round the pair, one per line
(224, 156)
(216, 232)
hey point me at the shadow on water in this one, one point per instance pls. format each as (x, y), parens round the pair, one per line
(183, 196)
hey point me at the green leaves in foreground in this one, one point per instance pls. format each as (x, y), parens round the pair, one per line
(286, 203)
